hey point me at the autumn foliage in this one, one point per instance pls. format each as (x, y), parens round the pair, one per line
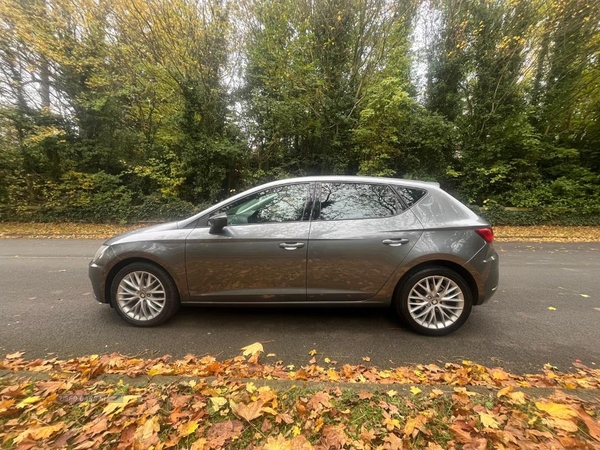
(245, 403)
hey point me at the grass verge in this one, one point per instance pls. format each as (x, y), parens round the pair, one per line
(241, 403)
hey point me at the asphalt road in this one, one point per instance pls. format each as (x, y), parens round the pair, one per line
(46, 310)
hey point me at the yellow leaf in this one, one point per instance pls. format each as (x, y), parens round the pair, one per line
(218, 403)
(28, 401)
(119, 405)
(499, 375)
(414, 425)
(504, 391)
(199, 444)
(556, 410)
(5, 404)
(392, 393)
(39, 433)
(518, 397)
(563, 424)
(585, 296)
(415, 390)
(488, 420)
(333, 376)
(185, 429)
(251, 349)
(436, 393)
(313, 352)
(327, 360)
(551, 308)
(146, 431)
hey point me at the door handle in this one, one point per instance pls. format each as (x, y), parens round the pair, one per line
(291, 245)
(395, 242)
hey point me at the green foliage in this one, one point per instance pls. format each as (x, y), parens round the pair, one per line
(157, 208)
(108, 114)
(498, 215)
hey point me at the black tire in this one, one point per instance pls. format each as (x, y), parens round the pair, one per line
(402, 298)
(171, 295)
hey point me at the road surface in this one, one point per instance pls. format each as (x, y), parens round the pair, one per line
(547, 310)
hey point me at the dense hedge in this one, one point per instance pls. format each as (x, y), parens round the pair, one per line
(498, 215)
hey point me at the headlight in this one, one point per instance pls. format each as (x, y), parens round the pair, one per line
(100, 253)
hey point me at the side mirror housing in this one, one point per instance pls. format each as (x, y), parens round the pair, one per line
(217, 223)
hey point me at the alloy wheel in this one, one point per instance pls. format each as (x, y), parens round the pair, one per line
(141, 295)
(436, 302)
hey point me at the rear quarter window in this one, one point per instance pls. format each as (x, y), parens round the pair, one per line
(410, 196)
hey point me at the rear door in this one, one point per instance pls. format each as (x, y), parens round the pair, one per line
(260, 256)
(360, 234)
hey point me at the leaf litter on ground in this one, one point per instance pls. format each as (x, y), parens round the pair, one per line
(213, 404)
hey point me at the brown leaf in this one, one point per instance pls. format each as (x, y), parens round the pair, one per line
(219, 433)
(414, 425)
(462, 431)
(266, 426)
(319, 400)
(392, 442)
(592, 425)
(476, 444)
(562, 424)
(281, 443)
(334, 436)
(248, 411)
(367, 435)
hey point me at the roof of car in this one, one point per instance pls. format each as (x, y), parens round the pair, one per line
(353, 178)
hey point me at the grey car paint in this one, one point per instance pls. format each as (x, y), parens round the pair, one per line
(254, 269)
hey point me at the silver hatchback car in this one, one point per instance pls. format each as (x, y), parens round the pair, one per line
(314, 241)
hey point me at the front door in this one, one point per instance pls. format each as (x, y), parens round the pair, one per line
(260, 256)
(359, 237)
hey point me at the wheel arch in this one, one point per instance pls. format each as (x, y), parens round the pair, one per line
(110, 277)
(456, 267)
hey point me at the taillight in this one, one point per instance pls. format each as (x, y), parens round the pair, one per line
(486, 233)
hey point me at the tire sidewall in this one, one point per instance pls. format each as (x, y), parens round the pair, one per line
(401, 301)
(171, 293)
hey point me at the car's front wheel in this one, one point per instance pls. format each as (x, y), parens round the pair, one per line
(434, 301)
(144, 294)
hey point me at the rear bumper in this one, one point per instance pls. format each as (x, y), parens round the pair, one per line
(485, 267)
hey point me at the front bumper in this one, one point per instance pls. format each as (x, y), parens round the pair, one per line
(96, 274)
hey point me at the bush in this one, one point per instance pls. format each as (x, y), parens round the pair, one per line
(157, 208)
(498, 215)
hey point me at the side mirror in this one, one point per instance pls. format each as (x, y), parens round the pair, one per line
(217, 223)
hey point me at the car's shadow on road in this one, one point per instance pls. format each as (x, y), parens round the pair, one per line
(374, 321)
(286, 318)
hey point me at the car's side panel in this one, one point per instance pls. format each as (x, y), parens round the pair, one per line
(452, 245)
(248, 263)
(348, 260)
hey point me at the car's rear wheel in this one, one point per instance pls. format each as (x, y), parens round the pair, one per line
(144, 294)
(434, 301)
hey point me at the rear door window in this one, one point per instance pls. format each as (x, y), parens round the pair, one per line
(345, 201)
